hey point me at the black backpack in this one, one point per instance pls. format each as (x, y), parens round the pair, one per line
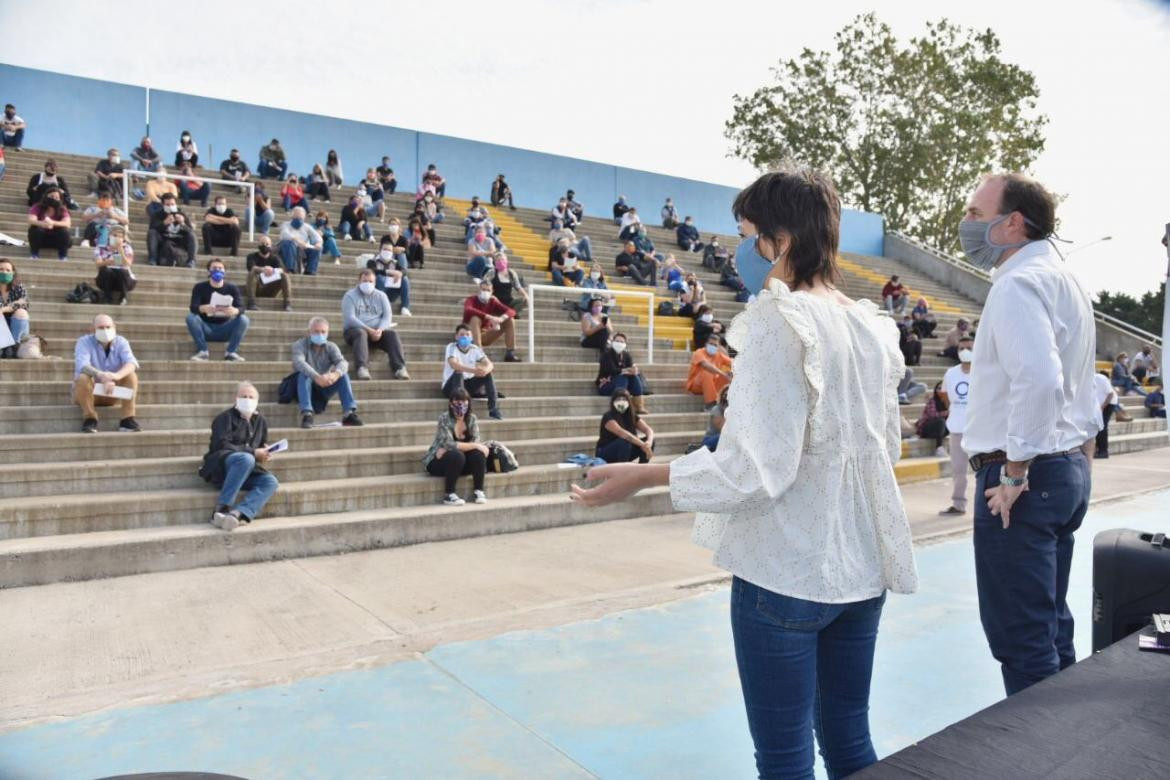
(83, 293)
(666, 309)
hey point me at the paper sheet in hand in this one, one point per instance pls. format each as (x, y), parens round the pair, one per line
(278, 446)
(393, 282)
(269, 275)
(6, 339)
(219, 299)
(125, 393)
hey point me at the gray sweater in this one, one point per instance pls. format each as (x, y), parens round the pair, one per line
(311, 360)
(365, 311)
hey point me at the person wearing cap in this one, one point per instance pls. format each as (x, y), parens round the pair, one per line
(501, 192)
(234, 168)
(272, 163)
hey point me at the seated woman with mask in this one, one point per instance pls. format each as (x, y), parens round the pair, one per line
(624, 435)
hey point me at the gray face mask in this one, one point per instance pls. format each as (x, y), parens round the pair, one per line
(981, 251)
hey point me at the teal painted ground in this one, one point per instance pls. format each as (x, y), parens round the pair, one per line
(649, 693)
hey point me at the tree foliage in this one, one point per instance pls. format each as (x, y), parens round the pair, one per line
(1145, 313)
(906, 130)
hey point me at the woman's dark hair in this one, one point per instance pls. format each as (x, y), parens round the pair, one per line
(939, 404)
(15, 271)
(460, 394)
(1033, 201)
(630, 415)
(802, 204)
(699, 312)
(185, 133)
(332, 156)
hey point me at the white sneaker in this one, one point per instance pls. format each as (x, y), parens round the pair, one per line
(85, 244)
(941, 452)
(480, 497)
(402, 373)
(363, 372)
(203, 355)
(225, 520)
(235, 357)
(405, 312)
(345, 237)
(453, 500)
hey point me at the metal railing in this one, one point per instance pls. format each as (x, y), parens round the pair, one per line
(562, 291)
(247, 185)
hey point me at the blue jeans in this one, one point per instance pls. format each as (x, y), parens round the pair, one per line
(477, 266)
(620, 451)
(558, 277)
(268, 170)
(805, 666)
(632, 383)
(395, 293)
(16, 139)
(329, 243)
(290, 256)
(232, 331)
(264, 220)
(188, 195)
(1021, 572)
(2, 169)
(288, 202)
(711, 442)
(341, 388)
(240, 474)
(17, 327)
(1129, 385)
(347, 229)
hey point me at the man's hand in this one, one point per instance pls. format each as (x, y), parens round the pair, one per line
(322, 380)
(109, 386)
(1001, 498)
(262, 455)
(375, 333)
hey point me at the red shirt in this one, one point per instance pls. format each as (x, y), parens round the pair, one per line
(893, 288)
(474, 307)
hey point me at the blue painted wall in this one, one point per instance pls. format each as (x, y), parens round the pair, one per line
(65, 113)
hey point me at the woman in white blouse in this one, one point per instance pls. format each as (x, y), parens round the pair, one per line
(799, 502)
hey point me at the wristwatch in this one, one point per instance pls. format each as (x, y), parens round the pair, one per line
(1004, 479)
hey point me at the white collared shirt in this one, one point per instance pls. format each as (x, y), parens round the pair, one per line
(1032, 388)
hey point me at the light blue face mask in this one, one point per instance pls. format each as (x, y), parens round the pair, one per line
(319, 338)
(753, 267)
(463, 341)
(981, 251)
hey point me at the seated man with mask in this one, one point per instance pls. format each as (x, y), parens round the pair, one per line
(103, 362)
(265, 276)
(321, 372)
(300, 244)
(235, 461)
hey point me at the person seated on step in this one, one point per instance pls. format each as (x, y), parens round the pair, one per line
(583, 245)
(501, 191)
(706, 325)
(432, 207)
(170, 240)
(715, 255)
(692, 298)
(687, 236)
(467, 367)
(595, 327)
(1143, 366)
(645, 245)
(894, 295)
(300, 245)
(389, 276)
(479, 249)
(154, 191)
(619, 209)
(617, 370)
(322, 372)
(49, 226)
(630, 222)
(563, 213)
(212, 317)
(266, 278)
(1121, 377)
(333, 173)
(675, 276)
(374, 197)
(420, 228)
(186, 151)
(328, 237)
(12, 128)
(717, 417)
(409, 254)
(367, 319)
(624, 436)
(909, 343)
(145, 156)
(489, 317)
(273, 164)
(292, 194)
(951, 342)
(234, 168)
(923, 320)
(235, 461)
(457, 450)
(13, 306)
(354, 222)
(507, 286)
(386, 177)
(475, 218)
(908, 388)
(1155, 400)
(317, 187)
(710, 371)
(221, 227)
(932, 423)
(564, 265)
(107, 175)
(670, 219)
(114, 261)
(729, 277)
(190, 190)
(48, 179)
(435, 180)
(100, 219)
(576, 208)
(642, 270)
(594, 281)
(102, 362)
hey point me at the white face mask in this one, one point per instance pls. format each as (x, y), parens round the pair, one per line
(393, 229)
(246, 406)
(366, 287)
(965, 355)
(171, 209)
(619, 347)
(485, 296)
(621, 406)
(595, 275)
(385, 254)
(707, 318)
(220, 208)
(105, 335)
(115, 159)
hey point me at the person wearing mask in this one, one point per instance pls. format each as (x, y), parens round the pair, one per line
(375, 196)
(190, 189)
(100, 219)
(266, 278)
(910, 345)
(170, 240)
(479, 249)
(705, 326)
(333, 174)
(13, 306)
(328, 237)
(832, 494)
(477, 218)
(951, 340)
(507, 286)
(693, 297)
(710, 371)
(40, 183)
(273, 164)
(146, 158)
(932, 423)
(564, 265)
(12, 128)
(956, 387)
(432, 207)
(186, 151)
(410, 254)
(432, 178)
(583, 245)
(457, 450)
(674, 275)
(922, 319)
(687, 236)
(617, 371)
(300, 245)
(103, 361)
(895, 296)
(670, 219)
(322, 371)
(489, 318)
(261, 207)
(619, 209)
(1142, 365)
(318, 184)
(107, 175)
(466, 367)
(1121, 377)
(716, 419)
(154, 191)
(1033, 409)
(292, 194)
(234, 168)
(563, 214)
(729, 277)
(1156, 401)
(216, 314)
(389, 277)
(594, 281)
(221, 227)
(595, 327)
(235, 461)
(114, 261)
(715, 255)
(642, 270)
(49, 224)
(353, 221)
(501, 191)
(644, 244)
(386, 177)
(576, 208)
(368, 323)
(624, 436)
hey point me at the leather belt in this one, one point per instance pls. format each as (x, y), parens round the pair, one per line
(999, 456)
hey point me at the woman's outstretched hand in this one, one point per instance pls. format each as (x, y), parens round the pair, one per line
(619, 481)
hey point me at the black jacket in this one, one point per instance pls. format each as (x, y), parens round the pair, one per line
(230, 432)
(611, 365)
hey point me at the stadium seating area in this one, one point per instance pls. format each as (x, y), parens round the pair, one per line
(78, 506)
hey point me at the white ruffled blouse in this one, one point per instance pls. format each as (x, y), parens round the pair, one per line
(801, 498)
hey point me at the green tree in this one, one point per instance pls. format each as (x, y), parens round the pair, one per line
(1145, 313)
(905, 130)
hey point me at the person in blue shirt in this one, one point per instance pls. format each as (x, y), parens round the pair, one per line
(103, 361)
(1156, 402)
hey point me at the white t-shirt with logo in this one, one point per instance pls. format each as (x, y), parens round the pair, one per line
(469, 358)
(957, 386)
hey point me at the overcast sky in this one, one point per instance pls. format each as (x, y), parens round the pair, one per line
(643, 84)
